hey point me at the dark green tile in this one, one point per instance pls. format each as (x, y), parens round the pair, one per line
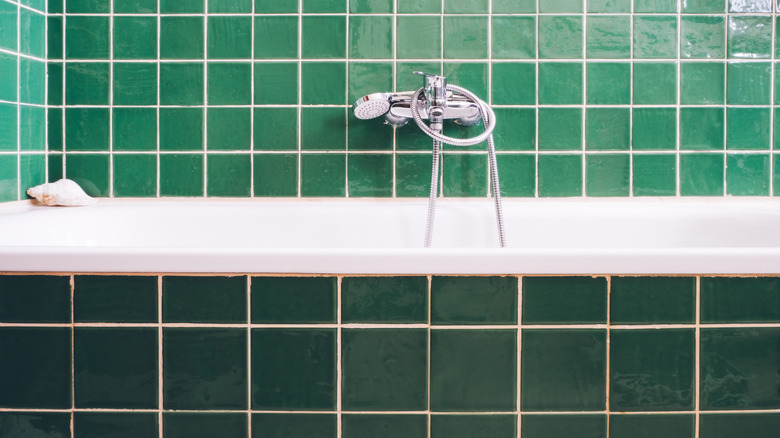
(384, 369)
(54, 38)
(750, 37)
(560, 83)
(276, 83)
(111, 377)
(86, 129)
(384, 299)
(370, 175)
(43, 424)
(194, 359)
(181, 38)
(289, 300)
(748, 174)
(739, 368)
(115, 425)
(655, 83)
(655, 37)
(518, 174)
(324, 37)
(283, 6)
(35, 368)
(651, 426)
(294, 425)
(748, 128)
(651, 370)
(560, 36)
(701, 174)
(135, 38)
(370, 135)
(229, 83)
(465, 37)
(135, 175)
(276, 37)
(560, 175)
(181, 175)
(513, 37)
(370, 6)
(654, 129)
(564, 370)
(115, 299)
(608, 37)
(464, 175)
(323, 175)
(749, 83)
(413, 175)
(740, 300)
(187, 425)
(470, 75)
(135, 6)
(607, 174)
(474, 300)
(322, 6)
(229, 37)
(560, 129)
(276, 129)
(506, 76)
(562, 426)
(742, 424)
(703, 37)
(654, 175)
(607, 129)
(32, 121)
(463, 426)
(370, 37)
(323, 128)
(608, 83)
(410, 30)
(275, 174)
(231, 6)
(135, 83)
(135, 129)
(473, 370)
(181, 83)
(368, 77)
(564, 300)
(204, 299)
(702, 128)
(702, 83)
(88, 7)
(182, 6)
(323, 83)
(34, 298)
(229, 129)
(384, 426)
(181, 129)
(89, 171)
(87, 37)
(517, 130)
(228, 175)
(703, 6)
(652, 300)
(294, 369)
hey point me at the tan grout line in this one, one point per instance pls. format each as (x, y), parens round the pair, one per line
(160, 376)
(697, 360)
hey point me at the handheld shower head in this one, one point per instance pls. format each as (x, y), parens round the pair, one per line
(371, 106)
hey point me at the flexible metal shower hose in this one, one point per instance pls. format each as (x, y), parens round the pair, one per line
(489, 120)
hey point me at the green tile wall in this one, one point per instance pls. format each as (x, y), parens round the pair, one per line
(410, 356)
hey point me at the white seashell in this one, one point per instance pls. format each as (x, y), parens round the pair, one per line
(63, 192)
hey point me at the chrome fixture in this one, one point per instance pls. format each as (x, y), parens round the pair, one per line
(437, 101)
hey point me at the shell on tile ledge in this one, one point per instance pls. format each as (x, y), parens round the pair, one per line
(64, 192)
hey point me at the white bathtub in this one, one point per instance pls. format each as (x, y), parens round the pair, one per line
(348, 236)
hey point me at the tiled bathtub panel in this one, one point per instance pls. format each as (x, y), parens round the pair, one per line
(316, 356)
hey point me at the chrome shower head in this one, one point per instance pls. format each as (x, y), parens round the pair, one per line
(371, 106)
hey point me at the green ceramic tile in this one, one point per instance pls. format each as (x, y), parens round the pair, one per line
(90, 171)
(188, 424)
(282, 6)
(607, 174)
(56, 166)
(384, 299)
(275, 174)
(135, 6)
(54, 38)
(293, 300)
(323, 83)
(195, 358)
(182, 6)
(513, 37)
(324, 36)
(323, 175)
(742, 424)
(134, 83)
(32, 35)
(322, 6)
(474, 300)
(88, 7)
(652, 300)
(655, 37)
(181, 129)
(229, 83)
(563, 370)
(560, 36)
(276, 37)
(507, 76)
(9, 188)
(473, 370)
(384, 369)
(463, 426)
(748, 174)
(294, 369)
(135, 38)
(181, 83)
(32, 121)
(370, 37)
(560, 83)
(655, 83)
(323, 129)
(737, 366)
(181, 38)
(116, 425)
(31, 423)
(370, 175)
(32, 76)
(229, 128)
(560, 175)
(703, 37)
(34, 298)
(115, 299)
(32, 170)
(366, 78)
(464, 175)
(562, 426)
(514, 6)
(650, 426)
(413, 175)
(407, 80)
(564, 300)
(204, 299)
(704, 6)
(411, 30)
(702, 83)
(608, 83)
(472, 76)
(701, 174)
(107, 377)
(384, 426)
(370, 135)
(419, 6)
(35, 364)
(370, 6)
(276, 83)
(750, 6)
(608, 37)
(9, 127)
(750, 37)
(749, 83)
(229, 37)
(465, 37)
(87, 37)
(701, 128)
(654, 128)
(276, 129)
(776, 174)
(181, 175)
(607, 129)
(135, 175)
(517, 130)
(9, 25)
(8, 70)
(228, 175)
(87, 83)
(465, 7)
(55, 83)
(748, 128)
(230, 6)
(651, 370)
(560, 129)
(518, 175)
(560, 6)
(740, 300)
(654, 175)
(600, 6)
(287, 425)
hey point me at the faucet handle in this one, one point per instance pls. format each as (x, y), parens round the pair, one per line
(435, 88)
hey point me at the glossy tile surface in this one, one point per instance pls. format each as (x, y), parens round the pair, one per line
(474, 300)
(558, 300)
(204, 299)
(384, 299)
